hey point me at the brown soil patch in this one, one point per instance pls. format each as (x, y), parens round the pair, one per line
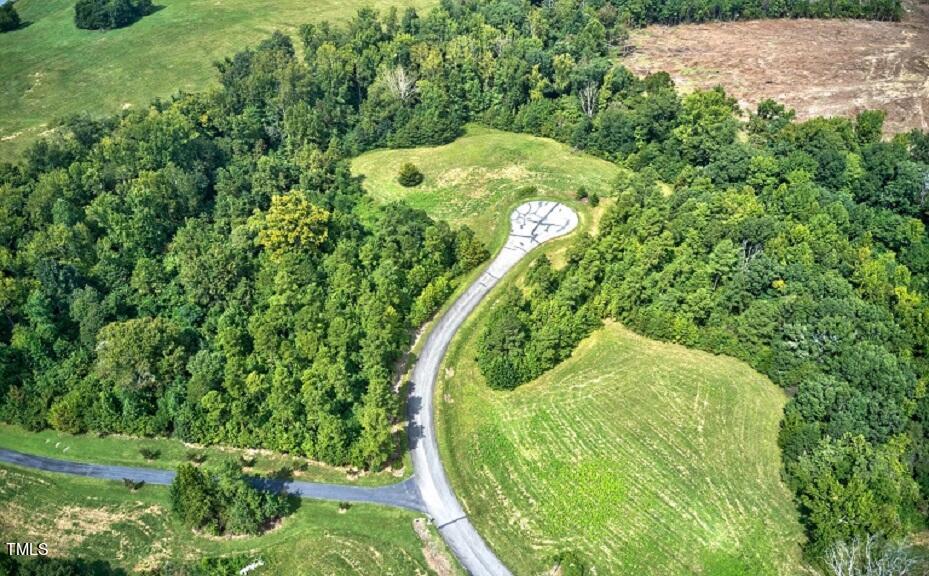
(817, 67)
(436, 556)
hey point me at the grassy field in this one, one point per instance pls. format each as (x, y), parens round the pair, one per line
(103, 520)
(124, 450)
(476, 179)
(646, 458)
(51, 69)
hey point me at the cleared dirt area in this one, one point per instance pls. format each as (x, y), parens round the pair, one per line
(817, 67)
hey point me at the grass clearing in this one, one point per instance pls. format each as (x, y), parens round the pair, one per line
(647, 458)
(101, 520)
(476, 180)
(50, 68)
(124, 451)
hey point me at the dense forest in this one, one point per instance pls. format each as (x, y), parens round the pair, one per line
(208, 268)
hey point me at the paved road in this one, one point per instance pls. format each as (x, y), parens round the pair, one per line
(403, 494)
(428, 490)
(530, 225)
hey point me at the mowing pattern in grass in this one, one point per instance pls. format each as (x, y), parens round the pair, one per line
(648, 458)
(476, 179)
(50, 68)
(136, 530)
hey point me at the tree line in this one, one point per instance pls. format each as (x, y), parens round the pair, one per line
(208, 268)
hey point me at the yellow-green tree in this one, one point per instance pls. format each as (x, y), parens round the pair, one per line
(292, 224)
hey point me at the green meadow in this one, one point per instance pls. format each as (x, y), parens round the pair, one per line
(103, 520)
(477, 179)
(51, 69)
(646, 458)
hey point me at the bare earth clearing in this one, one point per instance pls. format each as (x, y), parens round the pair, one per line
(817, 67)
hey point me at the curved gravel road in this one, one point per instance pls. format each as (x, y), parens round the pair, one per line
(428, 490)
(530, 225)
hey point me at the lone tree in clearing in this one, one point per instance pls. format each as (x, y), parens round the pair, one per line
(410, 175)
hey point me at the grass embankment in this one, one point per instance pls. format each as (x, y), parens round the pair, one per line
(51, 69)
(100, 520)
(477, 179)
(125, 451)
(647, 458)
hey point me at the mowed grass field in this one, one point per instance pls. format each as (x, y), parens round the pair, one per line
(125, 451)
(477, 179)
(50, 68)
(646, 458)
(99, 520)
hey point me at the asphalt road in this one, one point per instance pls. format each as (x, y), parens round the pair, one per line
(402, 495)
(530, 225)
(428, 490)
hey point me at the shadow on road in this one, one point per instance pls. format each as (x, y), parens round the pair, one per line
(414, 406)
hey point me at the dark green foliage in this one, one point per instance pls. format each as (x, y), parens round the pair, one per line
(202, 271)
(46, 566)
(595, 199)
(154, 279)
(664, 12)
(109, 14)
(581, 193)
(409, 175)
(848, 488)
(802, 252)
(223, 501)
(9, 17)
(133, 485)
(149, 454)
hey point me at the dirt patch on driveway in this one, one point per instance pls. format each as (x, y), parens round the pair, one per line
(817, 67)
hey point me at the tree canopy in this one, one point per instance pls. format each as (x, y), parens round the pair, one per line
(208, 268)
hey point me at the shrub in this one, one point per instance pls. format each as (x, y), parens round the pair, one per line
(410, 175)
(196, 456)
(133, 485)
(223, 501)
(581, 193)
(149, 453)
(594, 200)
(109, 14)
(247, 460)
(9, 17)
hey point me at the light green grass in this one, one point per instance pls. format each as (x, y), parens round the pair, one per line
(50, 68)
(124, 451)
(647, 458)
(102, 520)
(476, 179)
